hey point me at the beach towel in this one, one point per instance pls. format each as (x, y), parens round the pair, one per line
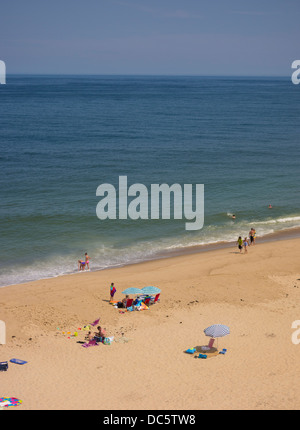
(90, 343)
(9, 401)
(190, 350)
(17, 361)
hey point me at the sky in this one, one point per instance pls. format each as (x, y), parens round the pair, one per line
(150, 37)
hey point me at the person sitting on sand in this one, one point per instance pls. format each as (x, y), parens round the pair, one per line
(101, 332)
(89, 336)
(122, 303)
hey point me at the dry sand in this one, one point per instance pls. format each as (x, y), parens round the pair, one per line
(256, 295)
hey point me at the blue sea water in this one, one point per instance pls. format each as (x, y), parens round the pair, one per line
(63, 136)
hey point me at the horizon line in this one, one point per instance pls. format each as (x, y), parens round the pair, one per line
(149, 74)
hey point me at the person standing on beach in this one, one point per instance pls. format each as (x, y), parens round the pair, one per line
(251, 236)
(245, 244)
(254, 235)
(240, 243)
(112, 291)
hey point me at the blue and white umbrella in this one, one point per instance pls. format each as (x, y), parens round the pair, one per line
(132, 290)
(150, 290)
(217, 330)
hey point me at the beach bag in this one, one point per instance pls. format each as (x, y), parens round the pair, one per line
(108, 340)
(3, 366)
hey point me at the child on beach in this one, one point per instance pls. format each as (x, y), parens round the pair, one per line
(240, 243)
(245, 244)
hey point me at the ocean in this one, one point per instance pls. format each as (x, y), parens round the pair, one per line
(63, 136)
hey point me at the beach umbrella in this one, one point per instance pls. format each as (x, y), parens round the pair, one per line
(132, 290)
(217, 330)
(150, 290)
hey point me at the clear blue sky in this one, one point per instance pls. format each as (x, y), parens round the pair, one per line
(193, 37)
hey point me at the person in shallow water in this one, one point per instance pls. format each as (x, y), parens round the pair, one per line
(84, 264)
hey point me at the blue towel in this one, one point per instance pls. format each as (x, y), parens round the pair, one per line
(17, 361)
(190, 351)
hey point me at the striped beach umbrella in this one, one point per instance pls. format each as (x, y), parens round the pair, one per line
(150, 290)
(217, 330)
(132, 290)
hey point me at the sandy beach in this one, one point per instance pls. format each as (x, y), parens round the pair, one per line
(145, 368)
